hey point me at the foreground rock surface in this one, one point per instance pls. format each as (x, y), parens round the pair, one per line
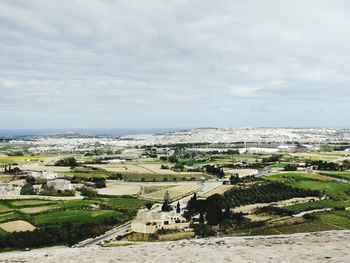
(332, 246)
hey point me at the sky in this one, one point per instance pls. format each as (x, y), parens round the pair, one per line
(174, 63)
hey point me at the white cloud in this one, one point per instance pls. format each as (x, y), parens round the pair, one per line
(240, 91)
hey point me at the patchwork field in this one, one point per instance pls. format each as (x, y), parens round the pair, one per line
(55, 213)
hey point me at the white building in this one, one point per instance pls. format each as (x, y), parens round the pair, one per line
(150, 221)
(45, 175)
(60, 184)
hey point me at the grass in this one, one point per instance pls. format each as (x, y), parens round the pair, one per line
(305, 227)
(341, 175)
(324, 156)
(313, 226)
(28, 203)
(43, 213)
(306, 181)
(10, 216)
(75, 217)
(298, 208)
(12, 159)
(338, 218)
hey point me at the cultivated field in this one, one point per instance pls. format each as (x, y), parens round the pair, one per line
(221, 189)
(175, 192)
(17, 226)
(313, 182)
(119, 189)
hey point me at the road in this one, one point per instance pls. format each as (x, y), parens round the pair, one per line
(126, 227)
(109, 235)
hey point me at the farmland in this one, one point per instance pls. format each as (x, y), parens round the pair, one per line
(75, 217)
(174, 192)
(339, 218)
(76, 212)
(307, 181)
(238, 191)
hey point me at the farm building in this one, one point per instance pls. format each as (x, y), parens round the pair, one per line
(150, 221)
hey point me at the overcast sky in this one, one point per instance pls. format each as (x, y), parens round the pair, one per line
(184, 63)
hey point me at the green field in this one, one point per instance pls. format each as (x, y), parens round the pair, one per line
(324, 156)
(312, 226)
(42, 212)
(339, 218)
(24, 158)
(306, 181)
(74, 217)
(298, 208)
(341, 175)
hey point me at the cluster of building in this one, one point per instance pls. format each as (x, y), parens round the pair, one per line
(149, 221)
(205, 135)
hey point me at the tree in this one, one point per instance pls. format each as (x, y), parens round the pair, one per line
(69, 161)
(30, 180)
(149, 205)
(178, 208)
(201, 218)
(90, 192)
(290, 167)
(27, 189)
(166, 207)
(166, 196)
(173, 159)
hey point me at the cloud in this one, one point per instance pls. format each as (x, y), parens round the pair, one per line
(128, 62)
(240, 91)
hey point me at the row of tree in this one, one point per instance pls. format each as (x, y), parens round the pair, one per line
(216, 208)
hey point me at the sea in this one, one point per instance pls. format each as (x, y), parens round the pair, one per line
(113, 132)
